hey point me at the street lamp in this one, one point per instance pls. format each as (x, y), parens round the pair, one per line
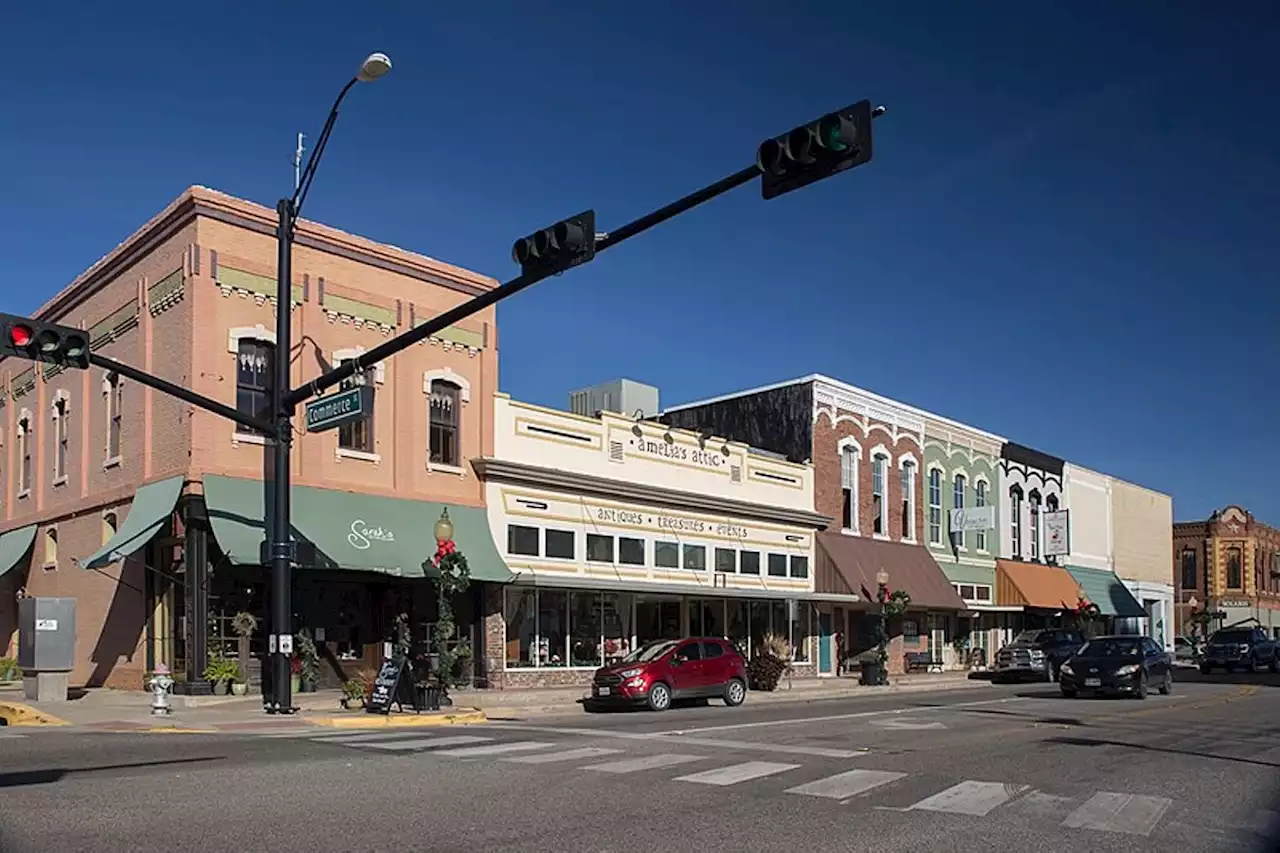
(280, 546)
(882, 654)
(444, 527)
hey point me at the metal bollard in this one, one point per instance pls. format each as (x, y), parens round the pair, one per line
(160, 684)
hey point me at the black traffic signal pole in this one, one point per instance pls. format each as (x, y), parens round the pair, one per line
(186, 395)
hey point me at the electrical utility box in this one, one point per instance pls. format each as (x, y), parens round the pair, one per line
(46, 635)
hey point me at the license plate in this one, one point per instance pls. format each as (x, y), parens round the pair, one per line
(1093, 682)
(602, 691)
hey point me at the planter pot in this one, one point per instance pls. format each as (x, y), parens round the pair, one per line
(218, 687)
(295, 684)
(239, 688)
(872, 674)
(433, 663)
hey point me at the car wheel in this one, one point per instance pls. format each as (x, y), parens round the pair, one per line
(1274, 666)
(1167, 687)
(735, 692)
(659, 697)
(1070, 694)
(1142, 686)
(1255, 666)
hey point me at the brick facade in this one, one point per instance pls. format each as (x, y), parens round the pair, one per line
(213, 256)
(1211, 544)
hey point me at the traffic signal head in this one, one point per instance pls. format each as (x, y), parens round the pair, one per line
(832, 144)
(558, 247)
(47, 342)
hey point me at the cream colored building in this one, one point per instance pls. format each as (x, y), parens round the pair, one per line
(1142, 535)
(619, 532)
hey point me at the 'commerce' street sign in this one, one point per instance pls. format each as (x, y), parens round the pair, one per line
(338, 409)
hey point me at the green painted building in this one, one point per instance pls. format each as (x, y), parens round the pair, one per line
(961, 472)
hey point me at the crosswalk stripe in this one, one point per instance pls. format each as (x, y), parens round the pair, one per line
(426, 743)
(970, 797)
(1110, 812)
(736, 773)
(847, 784)
(649, 762)
(7, 735)
(567, 755)
(495, 749)
(366, 737)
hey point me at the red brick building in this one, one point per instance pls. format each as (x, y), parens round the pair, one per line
(1230, 562)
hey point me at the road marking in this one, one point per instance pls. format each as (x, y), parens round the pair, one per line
(495, 749)
(567, 755)
(852, 716)
(364, 738)
(426, 743)
(660, 737)
(7, 736)
(842, 786)
(970, 797)
(908, 725)
(1110, 812)
(736, 773)
(649, 762)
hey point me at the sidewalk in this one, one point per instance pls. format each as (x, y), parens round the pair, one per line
(130, 711)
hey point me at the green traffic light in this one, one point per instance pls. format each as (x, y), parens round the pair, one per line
(835, 133)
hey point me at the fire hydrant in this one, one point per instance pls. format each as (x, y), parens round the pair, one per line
(160, 684)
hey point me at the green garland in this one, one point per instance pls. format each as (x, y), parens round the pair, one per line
(454, 578)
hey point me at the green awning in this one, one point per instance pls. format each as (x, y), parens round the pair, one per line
(14, 545)
(1107, 591)
(351, 531)
(152, 505)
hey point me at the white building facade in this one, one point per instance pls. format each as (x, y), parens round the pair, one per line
(1142, 523)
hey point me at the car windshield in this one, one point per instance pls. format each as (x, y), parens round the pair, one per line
(1111, 649)
(1027, 637)
(652, 651)
(1232, 637)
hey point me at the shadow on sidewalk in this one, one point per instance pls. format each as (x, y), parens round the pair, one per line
(45, 777)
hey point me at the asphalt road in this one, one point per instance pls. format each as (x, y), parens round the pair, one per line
(998, 768)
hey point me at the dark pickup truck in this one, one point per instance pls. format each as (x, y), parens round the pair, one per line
(1246, 648)
(1037, 653)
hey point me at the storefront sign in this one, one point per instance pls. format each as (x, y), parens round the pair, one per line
(973, 518)
(660, 449)
(1235, 602)
(362, 536)
(1057, 533)
(668, 523)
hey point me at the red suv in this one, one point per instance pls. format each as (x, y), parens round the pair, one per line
(656, 674)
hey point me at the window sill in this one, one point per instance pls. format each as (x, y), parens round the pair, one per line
(59, 481)
(361, 455)
(111, 462)
(909, 540)
(881, 536)
(850, 531)
(49, 567)
(238, 438)
(441, 468)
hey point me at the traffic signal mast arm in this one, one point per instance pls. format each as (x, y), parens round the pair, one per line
(441, 322)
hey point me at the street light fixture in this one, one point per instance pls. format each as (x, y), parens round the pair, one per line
(374, 66)
(444, 527)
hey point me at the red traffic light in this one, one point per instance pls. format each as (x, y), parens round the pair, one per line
(20, 336)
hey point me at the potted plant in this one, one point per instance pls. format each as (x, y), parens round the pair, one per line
(9, 670)
(239, 684)
(353, 693)
(310, 662)
(772, 661)
(220, 672)
(366, 677)
(295, 675)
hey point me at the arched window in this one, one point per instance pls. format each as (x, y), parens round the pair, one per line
(1034, 500)
(444, 422)
(935, 506)
(109, 527)
(980, 501)
(1015, 520)
(958, 484)
(51, 548)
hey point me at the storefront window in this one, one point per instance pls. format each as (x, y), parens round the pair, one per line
(759, 626)
(778, 622)
(584, 623)
(695, 557)
(521, 617)
(801, 630)
(736, 620)
(616, 625)
(666, 555)
(657, 619)
(553, 613)
(706, 617)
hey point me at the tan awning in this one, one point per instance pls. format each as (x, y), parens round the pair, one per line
(1035, 585)
(849, 564)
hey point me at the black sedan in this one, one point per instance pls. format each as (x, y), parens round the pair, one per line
(1125, 665)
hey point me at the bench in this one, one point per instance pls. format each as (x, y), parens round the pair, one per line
(916, 661)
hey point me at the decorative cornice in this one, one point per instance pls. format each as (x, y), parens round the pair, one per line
(846, 398)
(532, 475)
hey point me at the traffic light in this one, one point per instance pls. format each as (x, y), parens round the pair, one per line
(558, 247)
(834, 143)
(47, 342)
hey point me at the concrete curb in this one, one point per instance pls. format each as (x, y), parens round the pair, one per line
(464, 717)
(18, 714)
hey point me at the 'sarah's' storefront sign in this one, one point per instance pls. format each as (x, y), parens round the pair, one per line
(362, 535)
(656, 447)
(667, 523)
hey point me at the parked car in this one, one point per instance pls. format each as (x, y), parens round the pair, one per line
(1247, 648)
(1184, 651)
(1123, 664)
(1037, 653)
(661, 672)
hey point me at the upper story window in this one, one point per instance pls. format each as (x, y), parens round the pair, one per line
(1015, 520)
(878, 500)
(113, 394)
(24, 453)
(61, 437)
(908, 500)
(935, 506)
(51, 548)
(357, 435)
(1189, 569)
(255, 377)
(109, 527)
(849, 487)
(957, 497)
(444, 421)
(1235, 574)
(1034, 500)
(980, 501)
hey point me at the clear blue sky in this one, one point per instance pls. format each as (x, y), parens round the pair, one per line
(1067, 236)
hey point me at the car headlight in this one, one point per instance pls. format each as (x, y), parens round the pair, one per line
(1128, 669)
(630, 673)
(1067, 670)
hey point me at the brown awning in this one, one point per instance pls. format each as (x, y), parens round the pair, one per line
(848, 565)
(1035, 585)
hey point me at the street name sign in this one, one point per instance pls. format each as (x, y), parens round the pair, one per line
(336, 410)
